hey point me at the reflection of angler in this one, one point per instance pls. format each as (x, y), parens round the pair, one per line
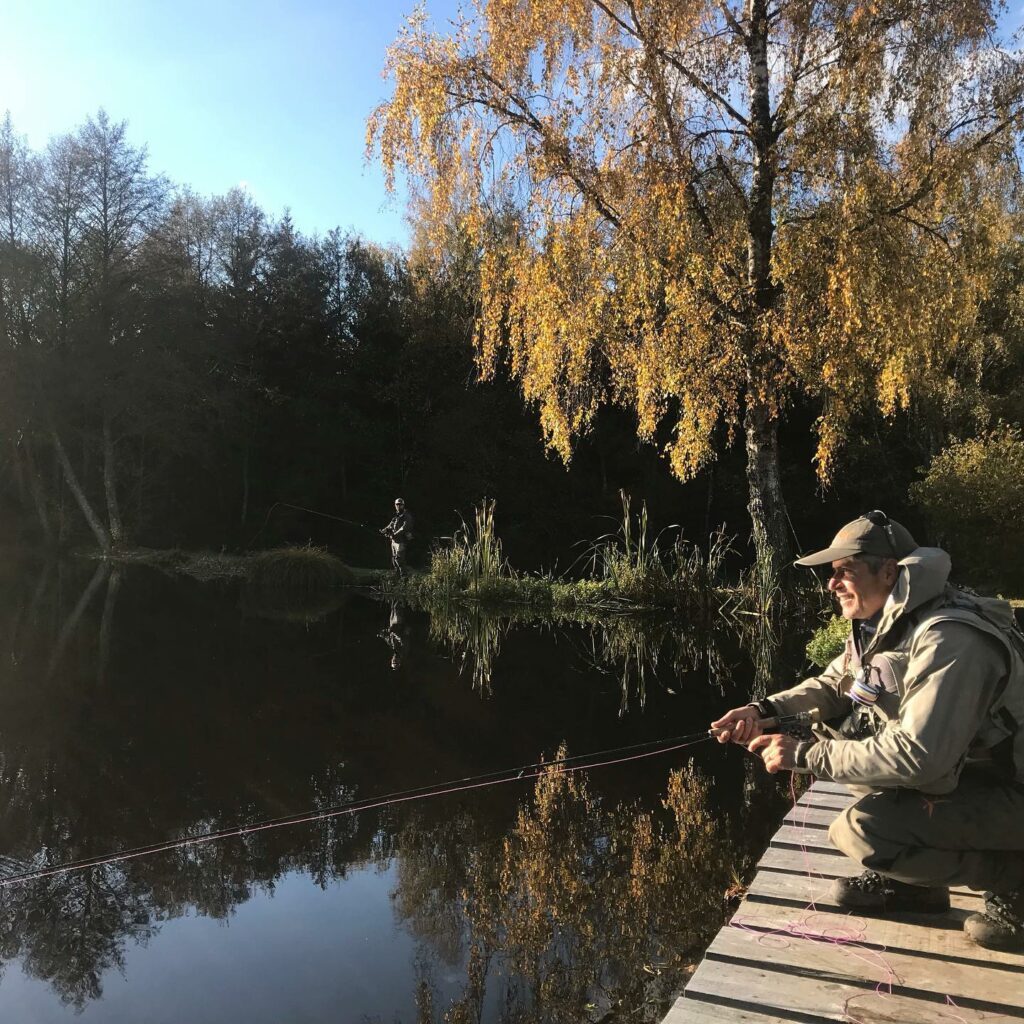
(396, 635)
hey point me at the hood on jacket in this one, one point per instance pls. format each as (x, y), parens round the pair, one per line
(923, 575)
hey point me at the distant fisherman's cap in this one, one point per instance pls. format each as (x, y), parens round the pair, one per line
(874, 533)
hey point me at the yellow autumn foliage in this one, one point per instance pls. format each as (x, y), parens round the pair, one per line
(718, 207)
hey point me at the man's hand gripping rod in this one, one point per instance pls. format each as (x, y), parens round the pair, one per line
(781, 723)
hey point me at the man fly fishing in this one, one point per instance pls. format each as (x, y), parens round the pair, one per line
(924, 718)
(399, 532)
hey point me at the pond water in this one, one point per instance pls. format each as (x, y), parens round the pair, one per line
(136, 708)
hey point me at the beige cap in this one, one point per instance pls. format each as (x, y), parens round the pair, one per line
(874, 533)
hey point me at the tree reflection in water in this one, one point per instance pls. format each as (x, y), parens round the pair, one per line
(582, 911)
(165, 717)
(629, 647)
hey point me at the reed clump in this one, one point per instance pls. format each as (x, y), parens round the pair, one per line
(471, 565)
(637, 569)
(627, 569)
(471, 559)
(304, 569)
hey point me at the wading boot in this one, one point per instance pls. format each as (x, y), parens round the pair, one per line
(1002, 924)
(872, 891)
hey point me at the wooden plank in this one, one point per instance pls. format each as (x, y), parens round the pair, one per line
(824, 786)
(830, 791)
(832, 800)
(982, 986)
(802, 816)
(823, 997)
(808, 863)
(791, 954)
(804, 889)
(693, 1011)
(920, 936)
(795, 838)
(814, 864)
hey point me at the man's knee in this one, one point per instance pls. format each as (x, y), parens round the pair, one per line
(846, 833)
(867, 831)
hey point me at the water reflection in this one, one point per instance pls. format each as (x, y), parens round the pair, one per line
(472, 636)
(580, 910)
(396, 635)
(134, 709)
(638, 650)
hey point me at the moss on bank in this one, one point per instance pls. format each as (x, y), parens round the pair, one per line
(303, 569)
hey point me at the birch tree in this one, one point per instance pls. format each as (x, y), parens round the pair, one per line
(723, 206)
(122, 204)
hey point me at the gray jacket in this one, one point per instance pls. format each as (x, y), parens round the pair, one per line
(944, 666)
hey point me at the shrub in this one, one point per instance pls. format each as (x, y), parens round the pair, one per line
(973, 497)
(826, 644)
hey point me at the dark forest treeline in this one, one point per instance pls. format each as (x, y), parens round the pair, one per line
(172, 366)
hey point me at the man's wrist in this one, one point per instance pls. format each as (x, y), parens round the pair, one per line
(800, 755)
(764, 708)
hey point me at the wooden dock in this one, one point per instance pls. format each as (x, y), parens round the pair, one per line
(790, 954)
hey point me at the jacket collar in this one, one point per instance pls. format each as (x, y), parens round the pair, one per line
(922, 578)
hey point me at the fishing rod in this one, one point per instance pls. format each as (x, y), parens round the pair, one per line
(562, 765)
(470, 782)
(312, 512)
(782, 723)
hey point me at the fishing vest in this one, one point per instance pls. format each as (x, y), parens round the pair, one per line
(1000, 737)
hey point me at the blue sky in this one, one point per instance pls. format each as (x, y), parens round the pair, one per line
(272, 94)
(275, 95)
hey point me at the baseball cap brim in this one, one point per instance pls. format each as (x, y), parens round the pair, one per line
(827, 556)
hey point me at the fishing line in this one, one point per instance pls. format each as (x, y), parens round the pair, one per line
(312, 512)
(558, 766)
(850, 938)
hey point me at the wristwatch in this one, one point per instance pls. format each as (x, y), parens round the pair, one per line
(764, 707)
(800, 756)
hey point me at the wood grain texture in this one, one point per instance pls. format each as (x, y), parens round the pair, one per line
(791, 954)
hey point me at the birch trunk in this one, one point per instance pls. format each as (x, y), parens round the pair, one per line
(766, 505)
(98, 529)
(110, 483)
(70, 624)
(19, 474)
(35, 487)
(107, 626)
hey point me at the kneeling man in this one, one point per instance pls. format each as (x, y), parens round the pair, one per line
(924, 718)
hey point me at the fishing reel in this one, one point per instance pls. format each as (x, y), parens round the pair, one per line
(799, 726)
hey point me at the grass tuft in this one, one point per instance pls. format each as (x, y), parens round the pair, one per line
(299, 569)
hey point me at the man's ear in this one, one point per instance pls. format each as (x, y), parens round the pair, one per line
(892, 570)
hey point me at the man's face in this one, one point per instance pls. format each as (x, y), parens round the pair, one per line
(861, 592)
(399, 506)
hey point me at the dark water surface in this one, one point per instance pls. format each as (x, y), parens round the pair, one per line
(135, 708)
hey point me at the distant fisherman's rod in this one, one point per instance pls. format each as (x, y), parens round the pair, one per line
(312, 512)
